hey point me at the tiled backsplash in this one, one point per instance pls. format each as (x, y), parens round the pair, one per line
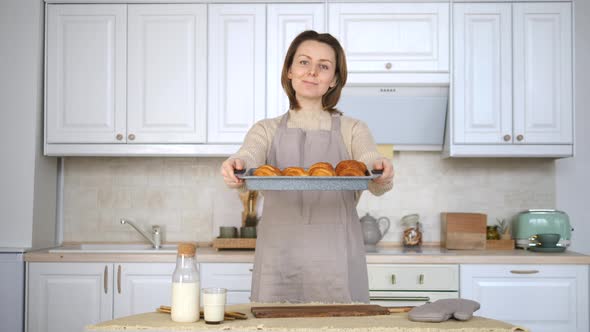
(187, 196)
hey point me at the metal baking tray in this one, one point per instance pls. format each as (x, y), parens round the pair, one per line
(306, 182)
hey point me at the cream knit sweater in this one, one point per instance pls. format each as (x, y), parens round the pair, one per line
(356, 135)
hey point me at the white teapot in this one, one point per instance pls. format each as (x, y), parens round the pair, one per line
(373, 230)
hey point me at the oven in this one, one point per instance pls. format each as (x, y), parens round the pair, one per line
(394, 285)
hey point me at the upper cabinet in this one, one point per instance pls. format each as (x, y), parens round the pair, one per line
(86, 74)
(512, 81)
(392, 39)
(126, 74)
(166, 80)
(284, 23)
(237, 64)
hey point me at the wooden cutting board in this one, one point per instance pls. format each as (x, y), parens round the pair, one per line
(324, 311)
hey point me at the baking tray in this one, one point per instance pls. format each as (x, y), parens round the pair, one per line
(306, 182)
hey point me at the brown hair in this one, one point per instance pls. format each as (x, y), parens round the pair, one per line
(330, 99)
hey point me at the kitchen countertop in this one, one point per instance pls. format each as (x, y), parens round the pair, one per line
(384, 323)
(385, 255)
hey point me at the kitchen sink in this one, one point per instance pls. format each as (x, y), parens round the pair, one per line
(123, 248)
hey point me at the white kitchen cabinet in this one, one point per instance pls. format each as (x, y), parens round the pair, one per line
(235, 277)
(542, 298)
(68, 296)
(122, 73)
(543, 93)
(392, 38)
(512, 87)
(86, 73)
(284, 23)
(237, 62)
(141, 287)
(166, 94)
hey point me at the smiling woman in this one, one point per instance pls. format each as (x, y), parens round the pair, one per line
(310, 245)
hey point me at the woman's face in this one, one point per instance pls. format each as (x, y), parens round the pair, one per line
(313, 70)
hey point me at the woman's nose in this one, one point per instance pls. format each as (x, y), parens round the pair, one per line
(313, 71)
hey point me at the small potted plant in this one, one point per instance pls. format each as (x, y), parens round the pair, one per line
(503, 229)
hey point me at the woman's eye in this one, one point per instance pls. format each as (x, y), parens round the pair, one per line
(325, 67)
(303, 62)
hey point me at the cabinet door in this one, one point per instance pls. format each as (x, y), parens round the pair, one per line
(86, 71)
(543, 106)
(393, 37)
(167, 73)
(547, 298)
(284, 23)
(482, 92)
(237, 44)
(68, 296)
(141, 287)
(235, 277)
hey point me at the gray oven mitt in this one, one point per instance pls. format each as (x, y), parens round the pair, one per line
(441, 310)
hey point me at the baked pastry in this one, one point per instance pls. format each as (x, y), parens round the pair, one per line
(351, 168)
(321, 169)
(294, 171)
(267, 170)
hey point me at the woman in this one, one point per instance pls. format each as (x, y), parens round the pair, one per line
(310, 246)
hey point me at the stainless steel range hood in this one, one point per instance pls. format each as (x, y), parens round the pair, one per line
(412, 118)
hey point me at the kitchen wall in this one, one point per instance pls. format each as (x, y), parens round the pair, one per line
(188, 197)
(28, 180)
(572, 176)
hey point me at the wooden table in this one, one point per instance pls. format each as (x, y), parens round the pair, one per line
(392, 323)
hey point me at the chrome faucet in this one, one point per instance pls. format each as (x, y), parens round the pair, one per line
(154, 237)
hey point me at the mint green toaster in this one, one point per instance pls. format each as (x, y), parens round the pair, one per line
(540, 221)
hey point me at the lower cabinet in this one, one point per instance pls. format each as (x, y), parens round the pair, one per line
(69, 296)
(235, 277)
(542, 298)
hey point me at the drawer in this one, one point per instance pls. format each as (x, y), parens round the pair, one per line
(233, 276)
(413, 277)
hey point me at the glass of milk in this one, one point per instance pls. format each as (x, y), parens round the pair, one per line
(214, 304)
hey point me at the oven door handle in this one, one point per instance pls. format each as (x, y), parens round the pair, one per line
(400, 298)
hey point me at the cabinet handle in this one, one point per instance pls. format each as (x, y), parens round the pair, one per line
(388, 65)
(119, 137)
(519, 138)
(524, 271)
(421, 279)
(119, 279)
(131, 137)
(507, 138)
(393, 279)
(251, 270)
(106, 276)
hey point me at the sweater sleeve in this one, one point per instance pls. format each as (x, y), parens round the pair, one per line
(256, 144)
(364, 149)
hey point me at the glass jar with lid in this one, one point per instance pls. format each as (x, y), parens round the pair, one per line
(412, 235)
(185, 285)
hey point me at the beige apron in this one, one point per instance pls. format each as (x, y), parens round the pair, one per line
(310, 246)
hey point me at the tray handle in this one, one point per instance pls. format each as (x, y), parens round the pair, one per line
(239, 172)
(377, 171)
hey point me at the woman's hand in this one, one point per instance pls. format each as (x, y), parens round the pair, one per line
(387, 167)
(227, 171)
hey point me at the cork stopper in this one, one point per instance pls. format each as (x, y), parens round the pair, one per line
(186, 249)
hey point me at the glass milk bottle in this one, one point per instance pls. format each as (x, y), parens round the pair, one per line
(185, 286)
